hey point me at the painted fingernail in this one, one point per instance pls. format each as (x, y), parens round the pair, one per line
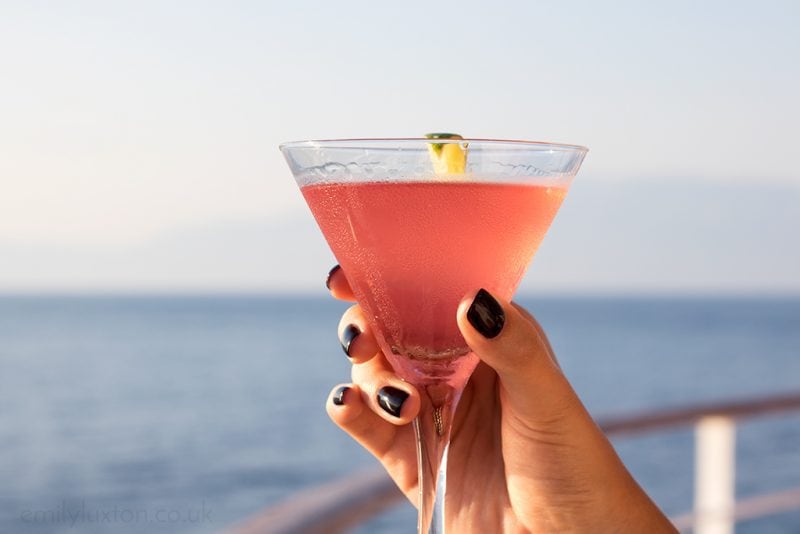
(391, 400)
(338, 397)
(350, 333)
(486, 315)
(330, 275)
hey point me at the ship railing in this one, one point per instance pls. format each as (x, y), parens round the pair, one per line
(347, 502)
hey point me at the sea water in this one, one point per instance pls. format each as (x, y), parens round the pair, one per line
(187, 414)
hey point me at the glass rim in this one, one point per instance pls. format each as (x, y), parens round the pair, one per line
(368, 142)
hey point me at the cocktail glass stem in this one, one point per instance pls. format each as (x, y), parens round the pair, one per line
(440, 393)
(432, 431)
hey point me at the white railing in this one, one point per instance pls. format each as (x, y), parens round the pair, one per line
(347, 502)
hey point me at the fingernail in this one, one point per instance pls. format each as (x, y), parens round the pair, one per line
(486, 315)
(330, 274)
(338, 397)
(391, 400)
(349, 334)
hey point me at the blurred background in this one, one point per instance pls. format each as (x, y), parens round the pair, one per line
(166, 340)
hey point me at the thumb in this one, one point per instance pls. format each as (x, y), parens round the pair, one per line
(552, 448)
(512, 343)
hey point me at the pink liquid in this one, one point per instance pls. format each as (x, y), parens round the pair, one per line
(412, 250)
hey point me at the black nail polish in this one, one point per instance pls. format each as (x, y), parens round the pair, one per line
(486, 314)
(391, 400)
(338, 397)
(349, 334)
(330, 274)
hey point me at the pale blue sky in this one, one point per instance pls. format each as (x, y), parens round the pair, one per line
(126, 124)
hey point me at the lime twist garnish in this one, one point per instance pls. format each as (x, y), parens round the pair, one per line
(447, 158)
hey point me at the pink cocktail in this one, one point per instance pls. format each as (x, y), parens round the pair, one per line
(412, 250)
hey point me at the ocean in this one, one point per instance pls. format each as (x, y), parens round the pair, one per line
(187, 414)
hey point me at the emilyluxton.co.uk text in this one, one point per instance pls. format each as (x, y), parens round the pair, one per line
(77, 512)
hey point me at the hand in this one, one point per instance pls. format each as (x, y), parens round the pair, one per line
(525, 456)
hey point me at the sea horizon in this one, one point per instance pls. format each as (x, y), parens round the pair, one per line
(622, 294)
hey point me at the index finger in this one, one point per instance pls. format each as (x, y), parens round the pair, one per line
(338, 285)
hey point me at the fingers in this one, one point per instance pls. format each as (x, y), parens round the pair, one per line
(338, 285)
(346, 407)
(380, 425)
(384, 393)
(356, 337)
(515, 346)
(392, 399)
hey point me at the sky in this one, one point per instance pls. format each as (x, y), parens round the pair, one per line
(138, 140)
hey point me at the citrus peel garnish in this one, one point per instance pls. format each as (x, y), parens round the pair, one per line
(447, 158)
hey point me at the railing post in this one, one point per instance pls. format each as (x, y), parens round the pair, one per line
(715, 475)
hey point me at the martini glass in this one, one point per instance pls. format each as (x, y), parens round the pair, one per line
(413, 236)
